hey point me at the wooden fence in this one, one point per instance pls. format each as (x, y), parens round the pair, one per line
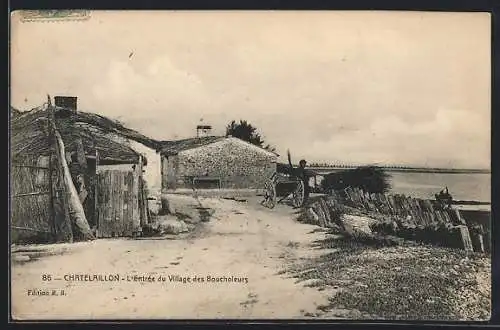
(118, 203)
(412, 211)
(31, 203)
(402, 216)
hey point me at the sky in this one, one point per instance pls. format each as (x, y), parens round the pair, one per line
(405, 88)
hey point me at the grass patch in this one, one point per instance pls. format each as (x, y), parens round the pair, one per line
(404, 282)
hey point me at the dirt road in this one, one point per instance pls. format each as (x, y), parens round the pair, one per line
(241, 241)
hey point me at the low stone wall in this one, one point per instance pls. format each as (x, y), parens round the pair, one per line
(398, 215)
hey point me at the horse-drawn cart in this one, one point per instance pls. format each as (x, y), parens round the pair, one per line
(281, 187)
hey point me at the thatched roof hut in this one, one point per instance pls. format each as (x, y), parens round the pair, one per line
(29, 136)
(14, 112)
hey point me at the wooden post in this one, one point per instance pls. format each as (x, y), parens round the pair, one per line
(138, 168)
(460, 219)
(326, 211)
(96, 192)
(51, 191)
(142, 197)
(65, 232)
(480, 243)
(51, 184)
(82, 161)
(321, 214)
(76, 212)
(465, 237)
(477, 239)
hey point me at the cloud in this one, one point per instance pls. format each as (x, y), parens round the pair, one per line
(354, 87)
(161, 99)
(161, 85)
(462, 134)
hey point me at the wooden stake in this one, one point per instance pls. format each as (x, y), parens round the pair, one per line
(96, 193)
(465, 237)
(76, 211)
(82, 161)
(51, 184)
(142, 198)
(67, 231)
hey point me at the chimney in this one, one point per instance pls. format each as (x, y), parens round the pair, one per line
(203, 130)
(69, 102)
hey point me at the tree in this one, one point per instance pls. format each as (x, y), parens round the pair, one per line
(247, 132)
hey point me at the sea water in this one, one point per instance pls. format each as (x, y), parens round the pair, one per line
(462, 186)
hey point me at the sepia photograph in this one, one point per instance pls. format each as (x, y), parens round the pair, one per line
(250, 165)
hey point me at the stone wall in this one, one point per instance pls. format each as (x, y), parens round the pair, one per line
(237, 164)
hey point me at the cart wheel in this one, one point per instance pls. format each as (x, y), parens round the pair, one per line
(298, 194)
(269, 194)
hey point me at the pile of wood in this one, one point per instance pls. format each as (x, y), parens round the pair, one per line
(398, 215)
(323, 211)
(413, 211)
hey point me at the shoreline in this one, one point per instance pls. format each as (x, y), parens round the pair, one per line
(408, 169)
(466, 202)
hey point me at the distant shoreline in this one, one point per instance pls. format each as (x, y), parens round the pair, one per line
(408, 169)
(458, 202)
(437, 170)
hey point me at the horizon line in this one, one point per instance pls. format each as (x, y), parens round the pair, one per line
(403, 167)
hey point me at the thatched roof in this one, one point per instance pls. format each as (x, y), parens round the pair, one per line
(29, 134)
(14, 112)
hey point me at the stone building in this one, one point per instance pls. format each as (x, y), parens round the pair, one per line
(214, 162)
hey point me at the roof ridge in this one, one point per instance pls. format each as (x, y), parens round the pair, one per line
(175, 146)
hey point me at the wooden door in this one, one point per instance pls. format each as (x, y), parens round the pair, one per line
(31, 203)
(117, 203)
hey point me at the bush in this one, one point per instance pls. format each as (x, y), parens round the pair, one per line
(371, 179)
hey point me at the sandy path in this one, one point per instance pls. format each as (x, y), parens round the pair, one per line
(241, 240)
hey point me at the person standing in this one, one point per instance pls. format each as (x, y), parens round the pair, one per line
(302, 173)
